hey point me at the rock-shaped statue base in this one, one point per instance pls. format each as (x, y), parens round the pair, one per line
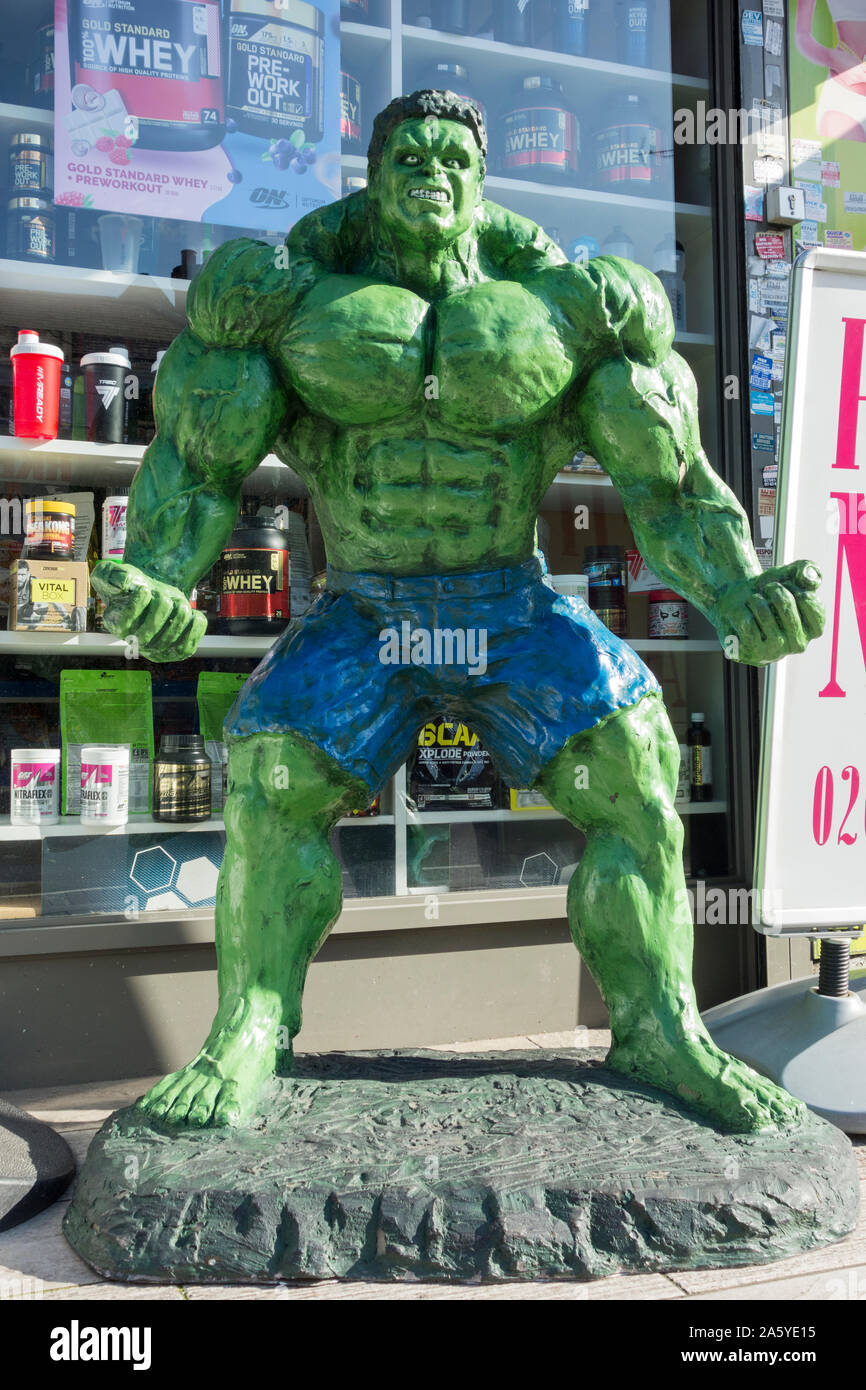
(432, 1166)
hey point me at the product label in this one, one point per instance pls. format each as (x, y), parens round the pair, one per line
(52, 591)
(162, 57)
(218, 755)
(452, 768)
(180, 789)
(104, 791)
(136, 786)
(684, 778)
(350, 107)
(627, 153)
(274, 70)
(604, 574)
(254, 584)
(702, 766)
(54, 530)
(37, 237)
(34, 791)
(541, 135)
(668, 618)
(113, 529)
(28, 169)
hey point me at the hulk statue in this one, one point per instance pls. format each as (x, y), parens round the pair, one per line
(427, 361)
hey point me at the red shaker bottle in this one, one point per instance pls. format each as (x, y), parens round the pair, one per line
(35, 386)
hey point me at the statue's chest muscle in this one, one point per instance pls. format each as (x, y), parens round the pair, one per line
(490, 358)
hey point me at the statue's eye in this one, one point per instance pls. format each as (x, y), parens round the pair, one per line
(412, 159)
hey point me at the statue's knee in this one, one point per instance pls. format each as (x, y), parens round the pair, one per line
(276, 779)
(661, 829)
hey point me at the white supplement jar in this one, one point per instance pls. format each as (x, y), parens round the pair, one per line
(35, 795)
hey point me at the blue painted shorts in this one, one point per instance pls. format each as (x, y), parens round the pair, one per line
(358, 677)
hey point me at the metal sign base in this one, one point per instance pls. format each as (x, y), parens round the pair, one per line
(812, 1044)
(36, 1165)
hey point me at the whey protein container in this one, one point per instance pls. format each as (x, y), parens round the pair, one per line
(153, 66)
(540, 136)
(275, 60)
(628, 150)
(253, 579)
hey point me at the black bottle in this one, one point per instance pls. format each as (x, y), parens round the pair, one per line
(699, 742)
(181, 779)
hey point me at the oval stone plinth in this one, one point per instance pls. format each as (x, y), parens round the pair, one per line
(438, 1166)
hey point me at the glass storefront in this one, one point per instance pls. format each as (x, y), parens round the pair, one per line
(581, 102)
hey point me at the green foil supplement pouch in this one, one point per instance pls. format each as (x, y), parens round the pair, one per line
(107, 707)
(216, 692)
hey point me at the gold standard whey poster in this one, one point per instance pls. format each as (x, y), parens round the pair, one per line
(223, 111)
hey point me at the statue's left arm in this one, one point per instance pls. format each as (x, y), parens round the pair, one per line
(638, 416)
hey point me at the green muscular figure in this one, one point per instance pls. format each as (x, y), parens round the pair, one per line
(427, 362)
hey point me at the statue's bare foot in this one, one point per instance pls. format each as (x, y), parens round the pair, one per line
(223, 1083)
(708, 1080)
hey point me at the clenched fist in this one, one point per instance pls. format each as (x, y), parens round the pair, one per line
(771, 615)
(156, 616)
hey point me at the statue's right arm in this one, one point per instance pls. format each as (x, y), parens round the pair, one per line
(218, 406)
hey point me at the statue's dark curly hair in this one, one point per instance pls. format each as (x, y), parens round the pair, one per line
(448, 106)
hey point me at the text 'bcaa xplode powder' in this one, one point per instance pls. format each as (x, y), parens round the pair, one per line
(152, 66)
(276, 56)
(105, 784)
(35, 797)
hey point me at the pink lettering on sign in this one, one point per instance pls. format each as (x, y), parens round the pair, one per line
(26, 773)
(850, 398)
(851, 548)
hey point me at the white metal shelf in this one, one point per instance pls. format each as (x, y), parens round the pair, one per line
(511, 60)
(612, 202)
(364, 36)
(98, 301)
(143, 825)
(539, 813)
(14, 118)
(103, 644)
(80, 462)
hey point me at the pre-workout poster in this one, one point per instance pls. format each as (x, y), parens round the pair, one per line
(224, 111)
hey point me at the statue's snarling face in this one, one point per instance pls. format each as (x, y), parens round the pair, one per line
(430, 181)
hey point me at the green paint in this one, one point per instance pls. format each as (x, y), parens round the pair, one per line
(427, 368)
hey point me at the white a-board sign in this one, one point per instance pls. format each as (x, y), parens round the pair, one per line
(810, 864)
